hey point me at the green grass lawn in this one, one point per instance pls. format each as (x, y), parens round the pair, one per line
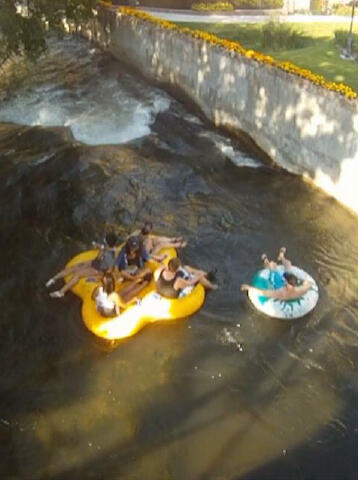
(320, 55)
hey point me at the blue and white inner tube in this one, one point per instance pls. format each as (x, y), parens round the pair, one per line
(286, 309)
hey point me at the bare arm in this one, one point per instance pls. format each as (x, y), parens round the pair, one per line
(127, 276)
(280, 293)
(302, 289)
(122, 274)
(95, 293)
(157, 273)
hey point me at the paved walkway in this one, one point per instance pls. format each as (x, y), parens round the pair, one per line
(188, 16)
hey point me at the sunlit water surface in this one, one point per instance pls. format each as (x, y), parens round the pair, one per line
(226, 394)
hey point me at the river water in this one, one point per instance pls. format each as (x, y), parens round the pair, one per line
(227, 394)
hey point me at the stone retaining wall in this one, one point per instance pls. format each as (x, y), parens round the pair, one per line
(304, 128)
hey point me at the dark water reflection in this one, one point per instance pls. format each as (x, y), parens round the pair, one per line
(227, 394)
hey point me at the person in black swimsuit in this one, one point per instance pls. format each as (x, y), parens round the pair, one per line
(170, 280)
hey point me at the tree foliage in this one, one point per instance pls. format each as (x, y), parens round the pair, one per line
(24, 24)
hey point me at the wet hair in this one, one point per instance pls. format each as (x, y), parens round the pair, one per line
(108, 283)
(174, 264)
(147, 228)
(291, 279)
(133, 244)
(111, 239)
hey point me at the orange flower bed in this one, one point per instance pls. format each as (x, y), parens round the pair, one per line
(235, 47)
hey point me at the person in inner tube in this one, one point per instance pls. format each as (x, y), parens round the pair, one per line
(276, 278)
(108, 302)
(292, 286)
(132, 257)
(170, 279)
(154, 243)
(130, 265)
(105, 260)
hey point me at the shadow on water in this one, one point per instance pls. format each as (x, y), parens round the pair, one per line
(197, 427)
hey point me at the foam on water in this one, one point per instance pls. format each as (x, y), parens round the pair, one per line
(99, 109)
(106, 116)
(224, 144)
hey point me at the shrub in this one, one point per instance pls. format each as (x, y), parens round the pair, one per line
(258, 4)
(272, 4)
(236, 49)
(280, 36)
(345, 10)
(212, 6)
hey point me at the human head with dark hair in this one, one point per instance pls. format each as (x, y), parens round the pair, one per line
(174, 264)
(111, 239)
(291, 279)
(108, 283)
(147, 228)
(133, 245)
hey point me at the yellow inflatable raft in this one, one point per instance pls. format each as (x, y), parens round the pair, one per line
(152, 308)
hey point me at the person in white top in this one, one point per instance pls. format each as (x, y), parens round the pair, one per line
(107, 300)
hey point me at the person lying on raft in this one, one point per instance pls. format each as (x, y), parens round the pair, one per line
(104, 261)
(170, 279)
(292, 287)
(154, 243)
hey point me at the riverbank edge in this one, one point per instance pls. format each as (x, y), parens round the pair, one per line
(303, 128)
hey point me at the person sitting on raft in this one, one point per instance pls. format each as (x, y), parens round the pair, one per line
(170, 279)
(104, 261)
(130, 265)
(133, 256)
(106, 298)
(154, 243)
(292, 287)
(108, 302)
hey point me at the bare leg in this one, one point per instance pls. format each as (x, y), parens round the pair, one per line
(207, 284)
(84, 272)
(202, 277)
(139, 278)
(68, 271)
(161, 245)
(123, 292)
(127, 293)
(285, 261)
